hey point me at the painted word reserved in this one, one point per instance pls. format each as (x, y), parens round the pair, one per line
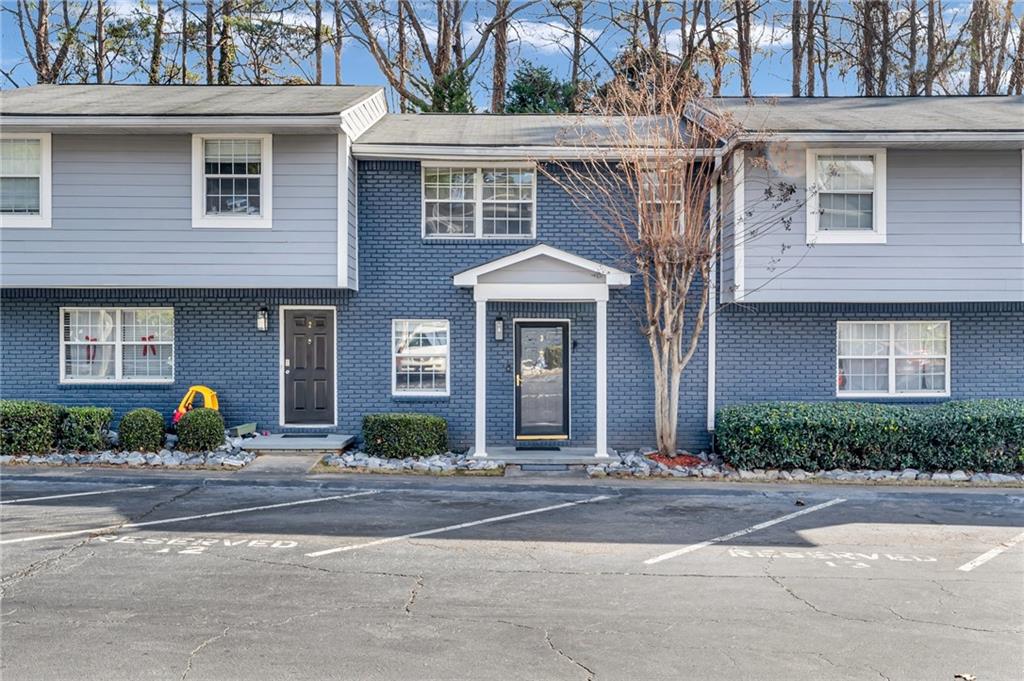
(196, 545)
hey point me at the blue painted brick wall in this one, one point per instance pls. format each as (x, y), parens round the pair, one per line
(788, 351)
(401, 276)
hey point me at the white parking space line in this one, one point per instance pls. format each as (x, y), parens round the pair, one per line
(739, 533)
(992, 553)
(78, 494)
(168, 521)
(451, 528)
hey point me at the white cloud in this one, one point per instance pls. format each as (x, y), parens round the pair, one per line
(548, 37)
(764, 37)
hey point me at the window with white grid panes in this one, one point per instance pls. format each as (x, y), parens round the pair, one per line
(117, 345)
(892, 358)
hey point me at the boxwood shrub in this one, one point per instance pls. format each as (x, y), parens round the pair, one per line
(400, 435)
(141, 430)
(978, 435)
(83, 428)
(28, 427)
(201, 430)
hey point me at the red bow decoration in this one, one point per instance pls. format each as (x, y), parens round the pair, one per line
(90, 350)
(150, 347)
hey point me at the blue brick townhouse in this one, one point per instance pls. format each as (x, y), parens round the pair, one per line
(314, 258)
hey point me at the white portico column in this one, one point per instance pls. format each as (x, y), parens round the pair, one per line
(480, 430)
(601, 354)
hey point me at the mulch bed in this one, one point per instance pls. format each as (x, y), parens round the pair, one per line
(684, 460)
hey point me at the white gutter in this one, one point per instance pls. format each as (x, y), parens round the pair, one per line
(1006, 136)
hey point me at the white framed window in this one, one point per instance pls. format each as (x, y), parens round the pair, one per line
(116, 345)
(232, 181)
(660, 195)
(496, 201)
(25, 180)
(846, 196)
(908, 358)
(420, 352)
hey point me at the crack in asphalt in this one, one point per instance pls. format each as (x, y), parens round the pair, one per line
(199, 648)
(38, 566)
(952, 626)
(413, 593)
(570, 658)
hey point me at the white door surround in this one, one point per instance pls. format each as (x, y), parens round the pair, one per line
(542, 274)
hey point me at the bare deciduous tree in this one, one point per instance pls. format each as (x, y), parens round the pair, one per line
(656, 197)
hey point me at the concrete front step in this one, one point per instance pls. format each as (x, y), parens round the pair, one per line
(294, 444)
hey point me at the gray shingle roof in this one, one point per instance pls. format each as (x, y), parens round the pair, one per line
(878, 114)
(481, 130)
(838, 114)
(182, 100)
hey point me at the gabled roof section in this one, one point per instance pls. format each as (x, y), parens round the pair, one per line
(612, 277)
(183, 100)
(877, 114)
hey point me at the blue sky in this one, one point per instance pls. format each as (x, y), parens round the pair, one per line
(535, 38)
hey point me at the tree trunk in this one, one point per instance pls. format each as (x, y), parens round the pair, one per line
(338, 38)
(714, 50)
(158, 44)
(795, 40)
(577, 54)
(1017, 70)
(500, 67)
(101, 39)
(978, 15)
(184, 42)
(318, 39)
(402, 63)
(226, 50)
(932, 56)
(812, 12)
(885, 50)
(208, 26)
(743, 46)
(826, 58)
(912, 86)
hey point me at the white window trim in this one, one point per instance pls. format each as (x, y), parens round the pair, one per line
(200, 220)
(877, 234)
(892, 392)
(44, 219)
(394, 361)
(478, 213)
(118, 344)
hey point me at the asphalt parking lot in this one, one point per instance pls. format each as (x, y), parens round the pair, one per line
(370, 579)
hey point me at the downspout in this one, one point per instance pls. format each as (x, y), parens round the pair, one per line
(713, 298)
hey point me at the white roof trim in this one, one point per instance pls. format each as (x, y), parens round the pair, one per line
(613, 277)
(213, 121)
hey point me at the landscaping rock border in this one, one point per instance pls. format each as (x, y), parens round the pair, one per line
(439, 464)
(634, 464)
(230, 455)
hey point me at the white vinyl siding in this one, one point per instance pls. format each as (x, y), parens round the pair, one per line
(879, 358)
(495, 201)
(25, 180)
(232, 181)
(846, 196)
(420, 354)
(117, 345)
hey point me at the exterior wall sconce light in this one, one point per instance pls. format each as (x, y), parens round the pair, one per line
(263, 319)
(499, 329)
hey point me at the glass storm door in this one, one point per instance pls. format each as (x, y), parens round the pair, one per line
(542, 380)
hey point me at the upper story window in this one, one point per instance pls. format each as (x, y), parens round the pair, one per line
(659, 195)
(117, 345)
(25, 180)
(892, 358)
(479, 202)
(231, 181)
(845, 196)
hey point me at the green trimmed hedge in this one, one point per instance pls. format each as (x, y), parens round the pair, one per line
(28, 427)
(397, 436)
(142, 430)
(977, 435)
(83, 428)
(201, 430)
